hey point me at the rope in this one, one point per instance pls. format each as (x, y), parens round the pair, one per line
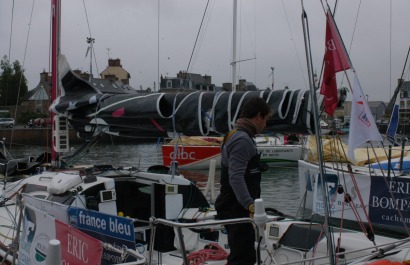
(212, 251)
(386, 262)
(369, 234)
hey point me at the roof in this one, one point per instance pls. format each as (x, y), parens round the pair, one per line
(114, 70)
(38, 93)
(111, 86)
(197, 78)
(375, 104)
(405, 85)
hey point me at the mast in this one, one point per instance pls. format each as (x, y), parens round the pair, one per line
(317, 133)
(55, 51)
(235, 11)
(389, 108)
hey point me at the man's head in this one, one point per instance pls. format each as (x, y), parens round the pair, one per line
(257, 111)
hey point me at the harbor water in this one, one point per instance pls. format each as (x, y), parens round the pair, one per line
(280, 185)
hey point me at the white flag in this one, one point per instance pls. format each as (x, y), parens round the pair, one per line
(362, 125)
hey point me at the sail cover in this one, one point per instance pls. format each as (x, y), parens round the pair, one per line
(108, 106)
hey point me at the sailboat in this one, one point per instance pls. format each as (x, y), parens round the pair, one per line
(344, 191)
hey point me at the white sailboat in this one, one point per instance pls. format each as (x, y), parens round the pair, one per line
(356, 196)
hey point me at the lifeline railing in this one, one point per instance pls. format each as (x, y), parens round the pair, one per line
(178, 226)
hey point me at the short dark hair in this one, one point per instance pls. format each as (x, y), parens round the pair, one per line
(253, 106)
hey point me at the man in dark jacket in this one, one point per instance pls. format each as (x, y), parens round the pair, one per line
(240, 180)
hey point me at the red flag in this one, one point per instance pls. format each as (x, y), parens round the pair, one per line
(334, 45)
(329, 87)
(336, 59)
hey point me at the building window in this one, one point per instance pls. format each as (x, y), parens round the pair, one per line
(169, 83)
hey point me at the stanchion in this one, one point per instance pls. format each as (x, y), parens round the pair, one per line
(54, 252)
(210, 184)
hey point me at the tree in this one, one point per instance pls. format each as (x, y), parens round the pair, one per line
(13, 83)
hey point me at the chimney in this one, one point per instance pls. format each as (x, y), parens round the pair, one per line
(227, 86)
(208, 79)
(400, 82)
(114, 62)
(44, 77)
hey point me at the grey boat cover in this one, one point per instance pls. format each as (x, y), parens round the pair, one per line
(108, 106)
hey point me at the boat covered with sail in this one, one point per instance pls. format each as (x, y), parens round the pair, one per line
(114, 110)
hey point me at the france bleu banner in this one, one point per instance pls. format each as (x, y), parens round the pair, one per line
(114, 230)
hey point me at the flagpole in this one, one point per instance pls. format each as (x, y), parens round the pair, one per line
(317, 133)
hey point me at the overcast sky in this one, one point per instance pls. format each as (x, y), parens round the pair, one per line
(376, 33)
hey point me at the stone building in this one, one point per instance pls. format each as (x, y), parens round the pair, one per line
(186, 82)
(37, 100)
(114, 71)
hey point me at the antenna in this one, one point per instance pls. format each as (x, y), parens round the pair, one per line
(108, 54)
(273, 77)
(90, 41)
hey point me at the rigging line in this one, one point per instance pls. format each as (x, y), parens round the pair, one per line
(335, 7)
(324, 7)
(95, 61)
(86, 17)
(11, 37)
(254, 27)
(202, 36)
(294, 46)
(354, 31)
(253, 45)
(390, 36)
(158, 21)
(197, 36)
(239, 36)
(11, 28)
(22, 69)
(89, 32)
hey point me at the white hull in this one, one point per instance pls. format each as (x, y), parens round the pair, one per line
(285, 238)
(273, 156)
(280, 155)
(273, 153)
(378, 203)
